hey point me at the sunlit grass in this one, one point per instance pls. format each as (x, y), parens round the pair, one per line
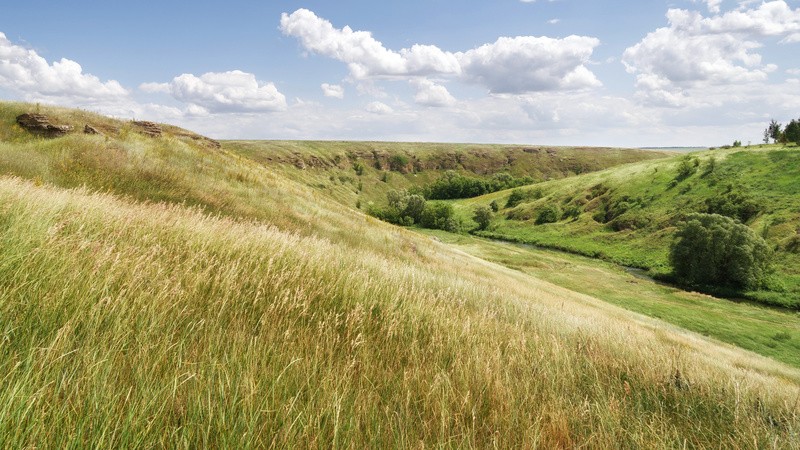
(158, 293)
(128, 325)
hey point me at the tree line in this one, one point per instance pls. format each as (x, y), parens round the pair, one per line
(780, 134)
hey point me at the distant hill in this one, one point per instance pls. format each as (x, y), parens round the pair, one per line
(629, 214)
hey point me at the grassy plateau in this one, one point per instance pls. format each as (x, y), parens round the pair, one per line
(163, 292)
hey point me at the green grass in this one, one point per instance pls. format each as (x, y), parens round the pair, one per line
(767, 174)
(164, 293)
(767, 331)
(328, 166)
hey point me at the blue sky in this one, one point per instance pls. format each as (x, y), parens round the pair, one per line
(572, 72)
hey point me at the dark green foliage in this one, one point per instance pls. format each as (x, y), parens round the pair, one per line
(358, 168)
(792, 245)
(495, 206)
(711, 165)
(686, 168)
(737, 143)
(774, 130)
(520, 195)
(571, 212)
(548, 214)
(714, 250)
(632, 220)
(398, 163)
(610, 209)
(439, 216)
(483, 217)
(453, 185)
(792, 131)
(405, 208)
(385, 177)
(734, 204)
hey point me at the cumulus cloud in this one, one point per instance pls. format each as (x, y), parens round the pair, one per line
(332, 90)
(509, 65)
(696, 51)
(431, 94)
(379, 108)
(530, 64)
(364, 55)
(25, 72)
(222, 92)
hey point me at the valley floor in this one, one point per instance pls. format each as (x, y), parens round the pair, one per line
(764, 330)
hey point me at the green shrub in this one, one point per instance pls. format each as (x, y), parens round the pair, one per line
(548, 214)
(398, 163)
(483, 217)
(686, 168)
(734, 204)
(714, 250)
(495, 206)
(358, 168)
(520, 195)
(440, 216)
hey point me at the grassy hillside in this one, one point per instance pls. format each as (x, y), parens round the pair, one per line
(161, 292)
(629, 214)
(363, 172)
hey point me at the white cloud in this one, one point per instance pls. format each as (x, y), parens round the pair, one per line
(554, 21)
(530, 64)
(364, 55)
(27, 73)
(379, 108)
(222, 92)
(698, 52)
(432, 94)
(332, 90)
(509, 65)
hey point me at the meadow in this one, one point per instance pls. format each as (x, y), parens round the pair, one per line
(161, 292)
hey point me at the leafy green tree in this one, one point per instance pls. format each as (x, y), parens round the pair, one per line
(792, 131)
(483, 217)
(686, 168)
(495, 206)
(774, 131)
(548, 214)
(713, 250)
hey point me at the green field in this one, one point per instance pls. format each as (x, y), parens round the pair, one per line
(164, 292)
(640, 232)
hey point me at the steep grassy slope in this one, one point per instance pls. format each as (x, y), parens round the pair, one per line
(383, 166)
(628, 214)
(281, 319)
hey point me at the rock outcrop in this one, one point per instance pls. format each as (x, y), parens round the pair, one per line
(151, 129)
(88, 129)
(40, 124)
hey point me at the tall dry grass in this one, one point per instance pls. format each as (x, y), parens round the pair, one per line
(149, 325)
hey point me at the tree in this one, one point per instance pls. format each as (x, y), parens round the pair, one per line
(495, 206)
(766, 135)
(792, 131)
(713, 250)
(774, 131)
(483, 217)
(548, 214)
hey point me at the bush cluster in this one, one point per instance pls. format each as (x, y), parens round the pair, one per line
(453, 185)
(405, 208)
(714, 250)
(734, 204)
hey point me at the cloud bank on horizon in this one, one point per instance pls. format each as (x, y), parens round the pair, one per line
(710, 75)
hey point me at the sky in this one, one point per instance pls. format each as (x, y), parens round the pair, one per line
(551, 72)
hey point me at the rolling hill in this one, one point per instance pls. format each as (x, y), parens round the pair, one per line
(629, 214)
(171, 291)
